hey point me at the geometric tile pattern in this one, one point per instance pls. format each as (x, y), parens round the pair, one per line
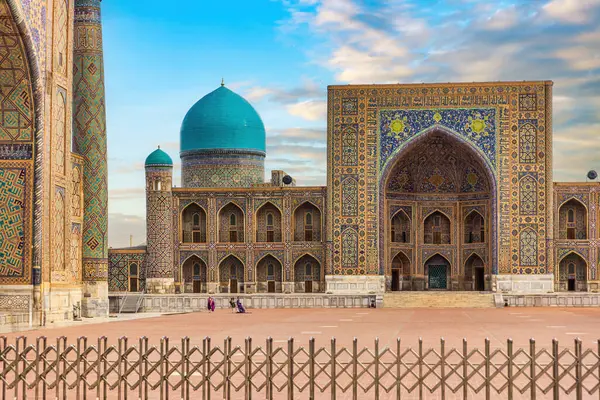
(12, 226)
(485, 116)
(222, 168)
(119, 262)
(90, 134)
(159, 223)
(16, 97)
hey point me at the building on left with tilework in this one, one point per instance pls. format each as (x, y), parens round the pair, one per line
(53, 182)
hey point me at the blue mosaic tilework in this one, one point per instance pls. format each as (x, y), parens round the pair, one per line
(478, 126)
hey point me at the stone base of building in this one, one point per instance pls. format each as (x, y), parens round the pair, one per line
(526, 284)
(160, 285)
(189, 302)
(351, 284)
(95, 300)
(16, 307)
(552, 300)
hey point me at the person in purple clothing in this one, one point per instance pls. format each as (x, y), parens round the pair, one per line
(240, 307)
(212, 304)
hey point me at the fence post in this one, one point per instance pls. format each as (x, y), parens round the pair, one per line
(333, 372)
(143, 341)
(120, 351)
(3, 346)
(398, 370)
(376, 368)
(420, 361)
(355, 369)
(208, 369)
(311, 368)
(228, 377)
(465, 369)
(57, 374)
(269, 395)
(248, 369)
(555, 370)
(578, 370)
(443, 367)
(290, 369)
(16, 369)
(487, 368)
(509, 374)
(532, 360)
(185, 367)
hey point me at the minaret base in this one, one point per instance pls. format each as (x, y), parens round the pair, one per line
(94, 303)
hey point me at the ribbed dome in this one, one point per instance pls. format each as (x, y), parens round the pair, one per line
(158, 158)
(222, 120)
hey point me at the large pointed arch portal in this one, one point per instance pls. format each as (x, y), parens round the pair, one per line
(438, 178)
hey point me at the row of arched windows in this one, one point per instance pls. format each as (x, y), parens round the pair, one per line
(436, 228)
(307, 224)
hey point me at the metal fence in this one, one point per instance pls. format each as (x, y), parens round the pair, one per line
(136, 369)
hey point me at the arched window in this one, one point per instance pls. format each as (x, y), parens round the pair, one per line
(270, 271)
(308, 228)
(400, 228)
(232, 220)
(159, 188)
(232, 270)
(196, 269)
(437, 229)
(571, 215)
(196, 219)
(269, 220)
(133, 277)
(308, 269)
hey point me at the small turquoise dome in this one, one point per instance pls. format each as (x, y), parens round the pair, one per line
(222, 120)
(159, 157)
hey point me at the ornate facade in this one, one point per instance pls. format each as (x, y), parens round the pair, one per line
(45, 159)
(430, 187)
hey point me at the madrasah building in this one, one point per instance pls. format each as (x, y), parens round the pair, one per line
(430, 187)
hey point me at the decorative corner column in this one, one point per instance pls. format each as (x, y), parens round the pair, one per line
(89, 130)
(160, 278)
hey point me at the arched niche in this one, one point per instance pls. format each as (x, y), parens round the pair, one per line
(572, 220)
(193, 221)
(269, 273)
(401, 271)
(307, 223)
(231, 275)
(194, 275)
(307, 275)
(268, 223)
(231, 224)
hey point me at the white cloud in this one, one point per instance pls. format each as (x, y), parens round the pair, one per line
(580, 58)
(571, 11)
(123, 226)
(311, 110)
(502, 19)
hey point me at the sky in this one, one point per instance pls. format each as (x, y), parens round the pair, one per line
(281, 55)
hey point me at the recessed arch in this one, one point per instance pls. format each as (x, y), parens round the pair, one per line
(401, 227)
(307, 274)
(231, 274)
(229, 232)
(438, 270)
(268, 229)
(437, 228)
(193, 220)
(484, 173)
(474, 227)
(195, 275)
(305, 202)
(401, 271)
(269, 274)
(303, 229)
(572, 273)
(573, 252)
(573, 220)
(474, 272)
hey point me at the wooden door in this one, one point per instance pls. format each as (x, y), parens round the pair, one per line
(395, 280)
(233, 286)
(308, 287)
(133, 284)
(271, 287)
(197, 286)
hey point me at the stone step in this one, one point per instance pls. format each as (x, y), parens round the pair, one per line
(131, 304)
(438, 300)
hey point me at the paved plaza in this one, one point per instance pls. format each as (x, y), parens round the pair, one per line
(520, 324)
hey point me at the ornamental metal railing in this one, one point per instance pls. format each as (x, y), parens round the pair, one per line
(167, 369)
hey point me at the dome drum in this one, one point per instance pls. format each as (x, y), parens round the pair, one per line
(222, 168)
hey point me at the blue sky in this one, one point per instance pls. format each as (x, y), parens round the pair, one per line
(282, 54)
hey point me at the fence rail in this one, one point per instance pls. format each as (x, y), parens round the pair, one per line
(137, 369)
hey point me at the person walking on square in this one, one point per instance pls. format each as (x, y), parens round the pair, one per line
(212, 305)
(232, 304)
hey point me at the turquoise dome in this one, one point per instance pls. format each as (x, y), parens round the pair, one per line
(159, 157)
(222, 120)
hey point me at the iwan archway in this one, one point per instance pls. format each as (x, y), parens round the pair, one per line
(438, 182)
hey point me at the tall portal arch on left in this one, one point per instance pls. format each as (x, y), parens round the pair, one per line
(20, 160)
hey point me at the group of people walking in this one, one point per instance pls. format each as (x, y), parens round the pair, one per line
(235, 305)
